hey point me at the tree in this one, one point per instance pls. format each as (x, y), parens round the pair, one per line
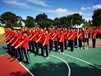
(56, 21)
(96, 17)
(29, 22)
(76, 19)
(9, 19)
(41, 19)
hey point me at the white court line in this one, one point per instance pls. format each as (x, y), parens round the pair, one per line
(83, 61)
(69, 70)
(26, 68)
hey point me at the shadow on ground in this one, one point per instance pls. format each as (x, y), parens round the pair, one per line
(60, 69)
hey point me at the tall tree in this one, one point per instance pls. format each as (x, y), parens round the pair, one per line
(76, 19)
(97, 17)
(29, 22)
(56, 21)
(41, 19)
(9, 19)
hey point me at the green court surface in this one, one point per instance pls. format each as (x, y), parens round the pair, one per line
(78, 63)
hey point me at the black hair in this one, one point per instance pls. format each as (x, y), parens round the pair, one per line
(25, 32)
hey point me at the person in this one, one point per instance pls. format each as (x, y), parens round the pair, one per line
(61, 42)
(17, 41)
(71, 40)
(85, 38)
(50, 39)
(24, 46)
(34, 38)
(55, 38)
(46, 44)
(94, 34)
(40, 41)
(80, 37)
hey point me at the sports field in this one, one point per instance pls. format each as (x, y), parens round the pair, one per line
(77, 63)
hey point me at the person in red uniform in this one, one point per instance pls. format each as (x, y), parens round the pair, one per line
(71, 38)
(17, 42)
(94, 33)
(55, 38)
(24, 46)
(80, 38)
(50, 38)
(61, 41)
(65, 38)
(46, 44)
(40, 41)
(34, 38)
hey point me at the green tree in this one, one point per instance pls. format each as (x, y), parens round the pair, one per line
(9, 19)
(76, 19)
(29, 22)
(56, 21)
(96, 17)
(41, 19)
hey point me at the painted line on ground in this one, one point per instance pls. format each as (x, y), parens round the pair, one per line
(20, 64)
(25, 68)
(69, 70)
(83, 61)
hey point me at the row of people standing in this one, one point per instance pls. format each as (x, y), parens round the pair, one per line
(19, 41)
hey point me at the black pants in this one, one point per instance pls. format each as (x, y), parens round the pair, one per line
(80, 43)
(56, 46)
(25, 51)
(65, 44)
(51, 44)
(33, 47)
(94, 43)
(42, 49)
(75, 41)
(19, 53)
(68, 43)
(30, 45)
(47, 50)
(36, 46)
(71, 45)
(62, 46)
(87, 41)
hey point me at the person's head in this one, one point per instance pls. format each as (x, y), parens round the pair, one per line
(25, 33)
(19, 31)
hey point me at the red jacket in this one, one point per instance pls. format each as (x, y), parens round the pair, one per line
(46, 39)
(80, 35)
(94, 33)
(26, 41)
(72, 36)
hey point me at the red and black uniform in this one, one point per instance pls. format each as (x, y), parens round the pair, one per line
(94, 34)
(19, 51)
(71, 38)
(61, 41)
(46, 44)
(25, 47)
(65, 39)
(80, 38)
(35, 44)
(56, 40)
(41, 42)
(50, 39)
(30, 42)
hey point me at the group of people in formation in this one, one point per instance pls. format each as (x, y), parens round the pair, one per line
(20, 41)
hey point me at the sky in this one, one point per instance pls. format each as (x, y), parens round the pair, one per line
(52, 8)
